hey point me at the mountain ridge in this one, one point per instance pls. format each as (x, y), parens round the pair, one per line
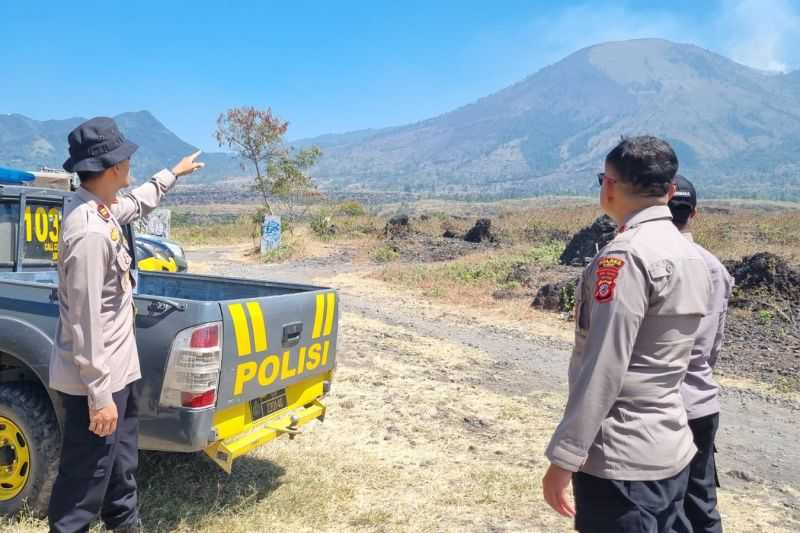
(543, 134)
(736, 131)
(29, 144)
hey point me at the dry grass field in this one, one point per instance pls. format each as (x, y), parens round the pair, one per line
(415, 442)
(729, 229)
(428, 433)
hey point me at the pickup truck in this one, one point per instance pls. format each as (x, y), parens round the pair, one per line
(227, 364)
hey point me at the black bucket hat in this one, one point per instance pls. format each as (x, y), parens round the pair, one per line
(96, 145)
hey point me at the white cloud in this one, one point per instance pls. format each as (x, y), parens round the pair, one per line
(513, 54)
(586, 25)
(763, 34)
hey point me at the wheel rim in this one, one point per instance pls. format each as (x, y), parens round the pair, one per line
(15, 460)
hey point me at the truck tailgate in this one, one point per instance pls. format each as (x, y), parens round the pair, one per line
(272, 342)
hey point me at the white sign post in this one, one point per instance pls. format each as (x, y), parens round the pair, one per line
(270, 234)
(156, 223)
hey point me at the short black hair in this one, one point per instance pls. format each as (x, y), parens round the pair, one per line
(681, 214)
(87, 175)
(647, 163)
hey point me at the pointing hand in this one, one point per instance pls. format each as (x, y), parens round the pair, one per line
(188, 165)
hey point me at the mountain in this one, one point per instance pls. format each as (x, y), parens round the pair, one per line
(30, 144)
(736, 129)
(793, 82)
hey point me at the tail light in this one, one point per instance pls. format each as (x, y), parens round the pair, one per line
(192, 375)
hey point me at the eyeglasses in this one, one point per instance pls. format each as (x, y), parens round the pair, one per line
(601, 176)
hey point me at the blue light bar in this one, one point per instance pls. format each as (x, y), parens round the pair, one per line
(10, 175)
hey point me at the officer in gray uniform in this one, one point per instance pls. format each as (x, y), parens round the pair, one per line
(624, 440)
(95, 363)
(699, 390)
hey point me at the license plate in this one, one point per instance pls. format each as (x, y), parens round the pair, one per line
(266, 405)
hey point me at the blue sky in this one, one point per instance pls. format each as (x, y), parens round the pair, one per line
(333, 66)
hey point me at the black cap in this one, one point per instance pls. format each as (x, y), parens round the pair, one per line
(685, 195)
(96, 145)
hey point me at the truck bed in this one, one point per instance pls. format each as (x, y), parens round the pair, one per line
(212, 288)
(276, 339)
(189, 287)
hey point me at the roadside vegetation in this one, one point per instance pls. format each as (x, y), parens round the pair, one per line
(426, 249)
(728, 230)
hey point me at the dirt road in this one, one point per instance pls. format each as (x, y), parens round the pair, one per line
(460, 407)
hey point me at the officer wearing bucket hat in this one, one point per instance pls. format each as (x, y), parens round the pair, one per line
(699, 390)
(95, 362)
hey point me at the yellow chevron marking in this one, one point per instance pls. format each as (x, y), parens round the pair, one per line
(240, 329)
(330, 307)
(259, 327)
(319, 317)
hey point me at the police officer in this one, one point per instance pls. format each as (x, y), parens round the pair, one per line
(699, 390)
(624, 441)
(95, 363)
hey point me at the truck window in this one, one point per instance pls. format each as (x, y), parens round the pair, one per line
(42, 229)
(9, 217)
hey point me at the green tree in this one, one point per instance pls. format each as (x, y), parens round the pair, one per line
(289, 181)
(257, 136)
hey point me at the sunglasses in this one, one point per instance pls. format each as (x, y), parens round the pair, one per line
(601, 176)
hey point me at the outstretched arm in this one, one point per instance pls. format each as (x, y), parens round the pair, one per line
(143, 199)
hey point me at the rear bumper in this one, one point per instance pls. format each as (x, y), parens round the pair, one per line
(177, 430)
(232, 431)
(258, 433)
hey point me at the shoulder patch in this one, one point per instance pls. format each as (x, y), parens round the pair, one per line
(103, 211)
(610, 262)
(607, 272)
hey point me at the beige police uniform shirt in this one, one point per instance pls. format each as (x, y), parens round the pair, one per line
(638, 308)
(699, 390)
(95, 353)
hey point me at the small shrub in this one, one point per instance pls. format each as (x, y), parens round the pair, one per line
(322, 225)
(765, 317)
(351, 208)
(547, 253)
(384, 254)
(285, 251)
(787, 384)
(567, 297)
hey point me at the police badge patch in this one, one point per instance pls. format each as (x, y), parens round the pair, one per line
(103, 211)
(607, 272)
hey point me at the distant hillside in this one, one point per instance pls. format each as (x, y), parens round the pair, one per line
(29, 144)
(736, 129)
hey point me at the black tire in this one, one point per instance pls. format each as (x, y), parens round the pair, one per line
(28, 406)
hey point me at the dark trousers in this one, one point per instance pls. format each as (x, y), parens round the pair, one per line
(614, 506)
(96, 474)
(700, 514)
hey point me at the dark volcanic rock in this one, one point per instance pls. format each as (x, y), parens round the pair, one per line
(762, 334)
(481, 232)
(766, 272)
(587, 242)
(398, 226)
(559, 296)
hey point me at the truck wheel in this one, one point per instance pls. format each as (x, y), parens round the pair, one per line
(30, 445)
